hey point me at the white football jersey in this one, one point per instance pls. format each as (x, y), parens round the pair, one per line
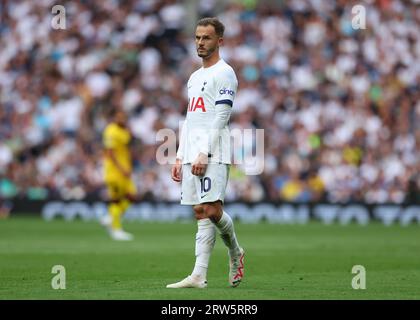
(208, 88)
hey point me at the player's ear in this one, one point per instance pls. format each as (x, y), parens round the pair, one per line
(220, 42)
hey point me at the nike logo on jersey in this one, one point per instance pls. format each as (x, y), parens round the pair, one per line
(196, 103)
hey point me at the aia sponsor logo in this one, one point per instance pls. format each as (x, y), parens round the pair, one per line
(196, 103)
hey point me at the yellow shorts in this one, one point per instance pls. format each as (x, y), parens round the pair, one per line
(119, 189)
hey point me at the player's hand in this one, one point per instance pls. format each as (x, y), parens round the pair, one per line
(176, 171)
(199, 166)
(126, 174)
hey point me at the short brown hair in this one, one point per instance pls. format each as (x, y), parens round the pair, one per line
(213, 21)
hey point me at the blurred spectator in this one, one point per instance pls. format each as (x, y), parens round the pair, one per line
(340, 107)
(5, 208)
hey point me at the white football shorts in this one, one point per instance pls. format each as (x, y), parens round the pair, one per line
(208, 188)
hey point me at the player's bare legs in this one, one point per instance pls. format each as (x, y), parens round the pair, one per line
(214, 212)
(116, 208)
(204, 243)
(210, 216)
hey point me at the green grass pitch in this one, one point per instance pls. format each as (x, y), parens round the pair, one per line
(312, 261)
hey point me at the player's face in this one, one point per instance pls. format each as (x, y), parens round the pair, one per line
(121, 119)
(206, 41)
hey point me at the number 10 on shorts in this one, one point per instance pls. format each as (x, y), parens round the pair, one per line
(205, 184)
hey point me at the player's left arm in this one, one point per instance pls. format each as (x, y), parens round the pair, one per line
(226, 86)
(226, 90)
(111, 140)
(223, 112)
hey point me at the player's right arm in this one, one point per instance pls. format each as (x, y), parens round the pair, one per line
(110, 142)
(176, 171)
(110, 154)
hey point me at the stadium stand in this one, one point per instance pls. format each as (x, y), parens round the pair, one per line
(340, 107)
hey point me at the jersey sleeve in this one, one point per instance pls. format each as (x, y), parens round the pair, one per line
(226, 86)
(223, 112)
(110, 139)
(183, 136)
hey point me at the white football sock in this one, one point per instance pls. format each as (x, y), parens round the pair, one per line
(227, 232)
(204, 244)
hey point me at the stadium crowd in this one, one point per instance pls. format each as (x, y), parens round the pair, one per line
(340, 106)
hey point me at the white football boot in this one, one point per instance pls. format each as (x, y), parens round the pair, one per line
(121, 235)
(189, 282)
(236, 272)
